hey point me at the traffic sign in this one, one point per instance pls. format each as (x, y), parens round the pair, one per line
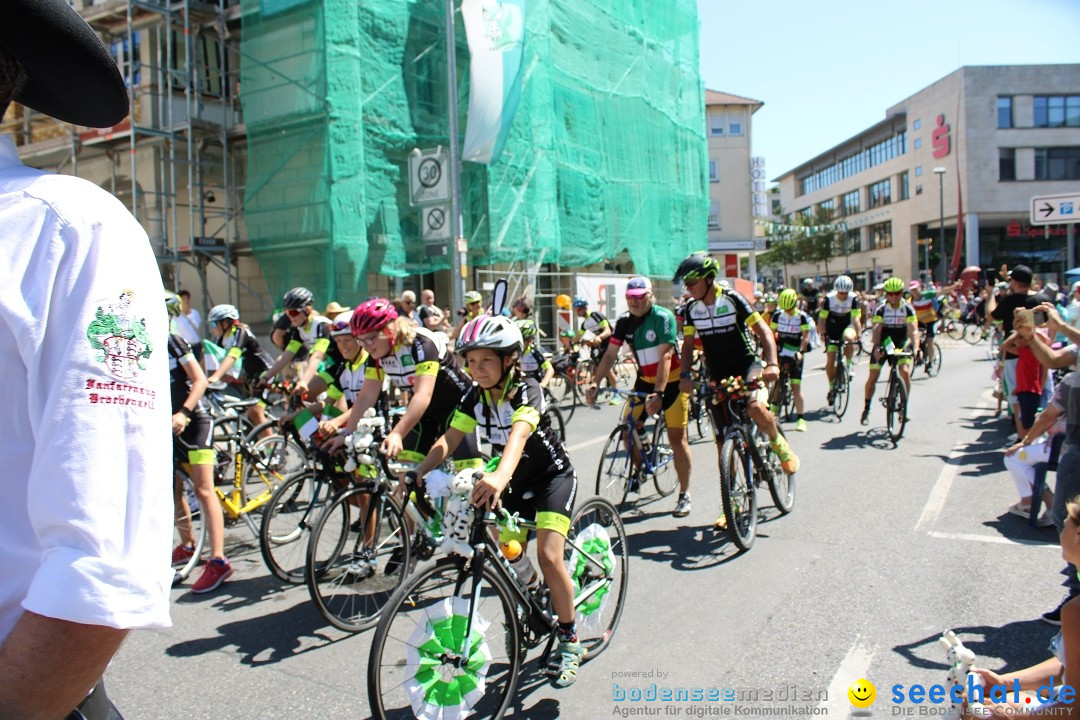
(435, 223)
(1055, 209)
(428, 176)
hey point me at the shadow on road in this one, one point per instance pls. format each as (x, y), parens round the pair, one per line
(1007, 648)
(266, 639)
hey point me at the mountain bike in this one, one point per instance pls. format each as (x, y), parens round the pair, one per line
(453, 638)
(746, 460)
(634, 453)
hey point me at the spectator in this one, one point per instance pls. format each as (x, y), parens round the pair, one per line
(433, 318)
(427, 298)
(1021, 458)
(85, 525)
(408, 304)
(1002, 309)
(1030, 377)
(333, 310)
(522, 308)
(189, 325)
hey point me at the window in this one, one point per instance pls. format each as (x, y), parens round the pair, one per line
(916, 124)
(714, 172)
(1004, 112)
(129, 62)
(714, 216)
(880, 193)
(1062, 163)
(1006, 163)
(806, 214)
(881, 235)
(905, 191)
(735, 128)
(1057, 110)
(918, 143)
(716, 124)
(849, 203)
(827, 208)
(918, 171)
(853, 240)
(868, 157)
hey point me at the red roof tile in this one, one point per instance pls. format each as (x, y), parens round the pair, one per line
(715, 97)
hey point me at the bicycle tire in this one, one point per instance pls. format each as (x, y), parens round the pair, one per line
(350, 573)
(665, 479)
(598, 616)
(181, 570)
(896, 409)
(934, 366)
(866, 342)
(417, 627)
(563, 391)
(955, 329)
(973, 333)
(781, 485)
(616, 466)
(700, 412)
(269, 462)
(286, 525)
(738, 493)
(842, 389)
(555, 419)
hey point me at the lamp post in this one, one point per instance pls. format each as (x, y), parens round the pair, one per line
(940, 172)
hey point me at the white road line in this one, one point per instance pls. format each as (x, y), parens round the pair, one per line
(586, 443)
(940, 492)
(990, 539)
(852, 667)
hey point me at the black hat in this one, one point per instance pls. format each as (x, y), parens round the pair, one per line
(1021, 274)
(70, 74)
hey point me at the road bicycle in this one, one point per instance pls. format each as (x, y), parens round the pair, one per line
(841, 391)
(932, 366)
(747, 460)
(555, 419)
(453, 638)
(895, 399)
(698, 412)
(636, 451)
(781, 397)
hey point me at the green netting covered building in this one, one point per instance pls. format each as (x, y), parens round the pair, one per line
(607, 152)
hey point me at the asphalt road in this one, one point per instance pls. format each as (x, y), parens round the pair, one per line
(885, 549)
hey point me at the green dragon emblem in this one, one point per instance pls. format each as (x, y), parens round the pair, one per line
(121, 343)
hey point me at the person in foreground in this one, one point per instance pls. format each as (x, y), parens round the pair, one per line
(87, 513)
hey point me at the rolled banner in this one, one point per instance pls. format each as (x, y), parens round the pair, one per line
(496, 33)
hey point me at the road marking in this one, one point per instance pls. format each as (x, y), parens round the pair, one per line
(586, 443)
(852, 667)
(990, 539)
(940, 492)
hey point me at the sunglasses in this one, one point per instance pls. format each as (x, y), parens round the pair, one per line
(894, 294)
(294, 313)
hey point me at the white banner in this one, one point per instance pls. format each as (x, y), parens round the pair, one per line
(496, 33)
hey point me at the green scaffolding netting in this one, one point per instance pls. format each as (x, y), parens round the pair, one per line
(606, 153)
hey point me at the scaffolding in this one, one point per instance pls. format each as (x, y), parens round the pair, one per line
(184, 139)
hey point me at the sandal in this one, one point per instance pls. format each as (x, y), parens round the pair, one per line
(1020, 510)
(570, 656)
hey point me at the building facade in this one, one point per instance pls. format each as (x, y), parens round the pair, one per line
(974, 147)
(728, 129)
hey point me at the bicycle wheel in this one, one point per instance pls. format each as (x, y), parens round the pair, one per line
(934, 366)
(286, 524)
(664, 478)
(598, 560)
(555, 419)
(699, 413)
(866, 341)
(954, 329)
(738, 494)
(422, 664)
(842, 389)
(183, 566)
(781, 485)
(271, 461)
(358, 556)
(563, 392)
(896, 409)
(616, 467)
(973, 333)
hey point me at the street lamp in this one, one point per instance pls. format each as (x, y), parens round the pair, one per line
(940, 172)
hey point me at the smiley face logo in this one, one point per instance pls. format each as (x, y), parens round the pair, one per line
(862, 693)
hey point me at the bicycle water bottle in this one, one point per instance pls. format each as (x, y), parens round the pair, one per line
(525, 571)
(646, 442)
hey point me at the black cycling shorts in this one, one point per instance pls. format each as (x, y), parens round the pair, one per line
(416, 444)
(549, 500)
(197, 440)
(794, 367)
(927, 329)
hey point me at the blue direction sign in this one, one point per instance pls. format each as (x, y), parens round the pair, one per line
(1055, 209)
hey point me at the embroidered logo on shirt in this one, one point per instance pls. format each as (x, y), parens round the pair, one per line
(121, 340)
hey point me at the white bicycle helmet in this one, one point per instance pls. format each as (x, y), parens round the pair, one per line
(222, 312)
(342, 324)
(490, 332)
(843, 284)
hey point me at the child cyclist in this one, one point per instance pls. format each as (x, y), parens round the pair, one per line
(533, 362)
(534, 475)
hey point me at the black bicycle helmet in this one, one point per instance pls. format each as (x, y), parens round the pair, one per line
(695, 266)
(297, 299)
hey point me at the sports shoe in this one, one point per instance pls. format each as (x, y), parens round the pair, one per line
(570, 657)
(788, 459)
(214, 573)
(865, 419)
(615, 400)
(800, 425)
(182, 553)
(635, 484)
(682, 507)
(830, 397)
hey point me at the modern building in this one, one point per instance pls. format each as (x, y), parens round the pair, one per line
(731, 218)
(974, 147)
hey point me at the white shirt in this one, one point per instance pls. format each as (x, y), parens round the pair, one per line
(187, 327)
(86, 516)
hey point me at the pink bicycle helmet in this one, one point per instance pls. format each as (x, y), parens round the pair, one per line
(372, 315)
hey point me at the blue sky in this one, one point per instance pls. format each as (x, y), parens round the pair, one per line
(801, 57)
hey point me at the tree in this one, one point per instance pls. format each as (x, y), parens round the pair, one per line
(783, 249)
(819, 238)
